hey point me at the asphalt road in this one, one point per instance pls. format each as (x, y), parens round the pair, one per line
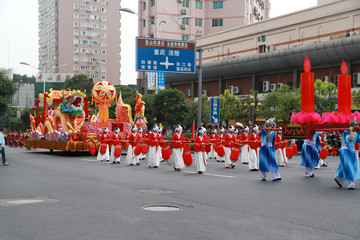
(85, 199)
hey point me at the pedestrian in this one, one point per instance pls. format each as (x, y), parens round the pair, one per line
(348, 169)
(105, 139)
(133, 139)
(116, 141)
(267, 161)
(254, 150)
(151, 160)
(228, 142)
(2, 147)
(310, 154)
(200, 151)
(177, 142)
(244, 151)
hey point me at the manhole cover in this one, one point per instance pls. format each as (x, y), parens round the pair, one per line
(25, 201)
(156, 191)
(162, 208)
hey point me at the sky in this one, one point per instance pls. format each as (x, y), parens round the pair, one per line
(19, 33)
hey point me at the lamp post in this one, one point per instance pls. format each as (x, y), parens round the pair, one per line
(43, 70)
(157, 24)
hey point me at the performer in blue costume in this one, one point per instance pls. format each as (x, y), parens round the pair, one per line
(267, 161)
(310, 154)
(348, 169)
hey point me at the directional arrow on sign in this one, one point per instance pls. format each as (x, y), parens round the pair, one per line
(215, 119)
(167, 63)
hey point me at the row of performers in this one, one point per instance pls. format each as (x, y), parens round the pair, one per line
(15, 139)
(348, 170)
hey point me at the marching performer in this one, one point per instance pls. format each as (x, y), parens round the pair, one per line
(160, 138)
(244, 153)
(116, 141)
(200, 152)
(143, 136)
(212, 138)
(323, 162)
(178, 148)
(254, 152)
(267, 161)
(220, 140)
(105, 139)
(228, 141)
(133, 139)
(279, 152)
(153, 145)
(310, 154)
(348, 169)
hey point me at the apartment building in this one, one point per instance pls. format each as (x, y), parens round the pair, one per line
(83, 35)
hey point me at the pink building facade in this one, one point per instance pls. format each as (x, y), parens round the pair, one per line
(82, 34)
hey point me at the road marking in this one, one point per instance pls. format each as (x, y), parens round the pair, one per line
(87, 160)
(212, 174)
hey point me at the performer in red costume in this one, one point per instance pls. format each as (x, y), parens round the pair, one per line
(178, 148)
(200, 152)
(228, 141)
(244, 154)
(116, 141)
(212, 139)
(254, 150)
(134, 139)
(105, 138)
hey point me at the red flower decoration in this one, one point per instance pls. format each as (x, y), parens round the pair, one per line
(76, 79)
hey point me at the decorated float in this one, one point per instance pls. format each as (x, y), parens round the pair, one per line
(66, 125)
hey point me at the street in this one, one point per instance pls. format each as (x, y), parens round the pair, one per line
(77, 197)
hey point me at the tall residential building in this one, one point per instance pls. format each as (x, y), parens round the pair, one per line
(84, 35)
(167, 18)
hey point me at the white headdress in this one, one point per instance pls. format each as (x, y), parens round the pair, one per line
(202, 130)
(246, 129)
(222, 130)
(214, 130)
(270, 121)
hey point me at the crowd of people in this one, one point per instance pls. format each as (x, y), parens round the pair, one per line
(263, 150)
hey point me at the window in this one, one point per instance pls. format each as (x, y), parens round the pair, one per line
(76, 50)
(151, 35)
(103, 52)
(152, 3)
(103, 69)
(103, 10)
(76, 41)
(76, 32)
(103, 35)
(76, 24)
(185, 37)
(262, 48)
(103, 77)
(198, 5)
(152, 20)
(185, 21)
(103, 43)
(144, 23)
(76, 15)
(217, 4)
(75, 67)
(217, 22)
(103, 60)
(198, 22)
(76, 58)
(185, 3)
(103, 18)
(103, 26)
(76, 6)
(144, 5)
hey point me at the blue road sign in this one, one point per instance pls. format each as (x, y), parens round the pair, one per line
(161, 80)
(162, 55)
(215, 111)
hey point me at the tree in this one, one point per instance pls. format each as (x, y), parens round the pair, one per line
(170, 107)
(325, 96)
(23, 78)
(25, 118)
(282, 103)
(227, 106)
(80, 82)
(126, 91)
(7, 89)
(247, 107)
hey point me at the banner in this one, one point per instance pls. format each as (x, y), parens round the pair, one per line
(53, 77)
(151, 80)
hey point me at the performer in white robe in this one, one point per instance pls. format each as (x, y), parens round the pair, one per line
(254, 152)
(279, 153)
(115, 142)
(104, 139)
(200, 152)
(213, 137)
(178, 148)
(131, 157)
(152, 142)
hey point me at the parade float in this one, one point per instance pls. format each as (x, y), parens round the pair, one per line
(66, 125)
(307, 122)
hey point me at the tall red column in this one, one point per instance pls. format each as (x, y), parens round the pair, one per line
(307, 88)
(344, 90)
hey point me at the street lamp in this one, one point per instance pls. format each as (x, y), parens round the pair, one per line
(43, 70)
(157, 25)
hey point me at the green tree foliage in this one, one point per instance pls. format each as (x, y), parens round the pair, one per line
(170, 107)
(193, 112)
(325, 96)
(80, 82)
(248, 107)
(149, 109)
(23, 78)
(25, 118)
(281, 103)
(7, 89)
(228, 106)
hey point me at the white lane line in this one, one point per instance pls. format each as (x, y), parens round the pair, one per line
(212, 174)
(87, 160)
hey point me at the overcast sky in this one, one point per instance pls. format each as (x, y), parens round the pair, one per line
(19, 33)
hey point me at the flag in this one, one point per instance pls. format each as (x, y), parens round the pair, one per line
(193, 130)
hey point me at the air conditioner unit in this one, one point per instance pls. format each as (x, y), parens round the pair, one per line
(205, 92)
(336, 78)
(266, 86)
(279, 85)
(356, 79)
(273, 87)
(325, 78)
(188, 92)
(183, 11)
(179, 1)
(231, 89)
(271, 48)
(236, 90)
(183, 26)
